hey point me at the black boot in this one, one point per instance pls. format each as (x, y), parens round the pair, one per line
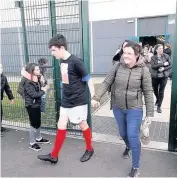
(159, 109)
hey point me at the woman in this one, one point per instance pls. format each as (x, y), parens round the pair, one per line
(32, 96)
(161, 67)
(118, 55)
(167, 49)
(147, 56)
(129, 79)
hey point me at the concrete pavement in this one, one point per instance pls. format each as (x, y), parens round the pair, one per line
(17, 160)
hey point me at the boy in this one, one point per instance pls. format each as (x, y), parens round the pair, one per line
(74, 102)
(5, 88)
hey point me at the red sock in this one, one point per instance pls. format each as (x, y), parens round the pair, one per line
(59, 139)
(88, 137)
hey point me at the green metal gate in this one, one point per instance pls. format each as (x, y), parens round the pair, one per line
(25, 32)
(172, 143)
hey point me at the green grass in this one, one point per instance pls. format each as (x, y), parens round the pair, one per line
(17, 111)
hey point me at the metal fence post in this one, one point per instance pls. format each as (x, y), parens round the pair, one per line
(84, 13)
(25, 44)
(172, 137)
(56, 69)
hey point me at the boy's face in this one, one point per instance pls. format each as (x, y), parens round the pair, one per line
(1, 69)
(58, 53)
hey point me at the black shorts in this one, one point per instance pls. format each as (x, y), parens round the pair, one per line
(34, 116)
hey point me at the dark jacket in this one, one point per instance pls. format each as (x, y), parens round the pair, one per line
(117, 57)
(5, 87)
(32, 93)
(128, 87)
(155, 65)
(167, 51)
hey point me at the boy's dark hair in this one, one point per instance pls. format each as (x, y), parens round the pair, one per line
(58, 41)
(135, 46)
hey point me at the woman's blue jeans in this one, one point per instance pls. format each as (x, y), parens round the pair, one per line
(129, 122)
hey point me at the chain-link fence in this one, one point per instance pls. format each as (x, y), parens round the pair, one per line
(25, 31)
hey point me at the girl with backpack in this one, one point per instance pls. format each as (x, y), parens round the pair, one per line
(31, 90)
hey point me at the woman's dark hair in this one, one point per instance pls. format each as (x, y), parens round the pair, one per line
(31, 67)
(135, 46)
(156, 47)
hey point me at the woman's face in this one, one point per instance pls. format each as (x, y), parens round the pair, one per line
(160, 50)
(36, 71)
(129, 56)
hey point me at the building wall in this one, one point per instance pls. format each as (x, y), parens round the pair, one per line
(109, 27)
(120, 9)
(152, 26)
(107, 36)
(171, 27)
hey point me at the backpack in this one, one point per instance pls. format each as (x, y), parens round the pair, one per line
(20, 89)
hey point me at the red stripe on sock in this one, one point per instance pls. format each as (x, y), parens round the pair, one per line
(59, 139)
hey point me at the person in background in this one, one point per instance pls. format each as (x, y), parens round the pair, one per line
(150, 49)
(119, 53)
(167, 49)
(5, 88)
(141, 45)
(147, 56)
(130, 80)
(42, 63)
(32, 92)
(160, 71)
